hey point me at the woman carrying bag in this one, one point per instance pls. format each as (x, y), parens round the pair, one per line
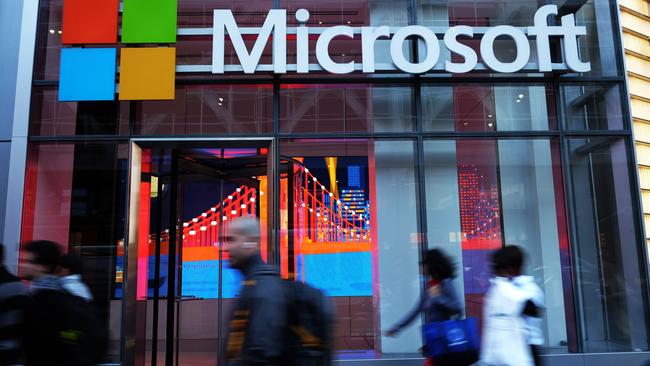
(440, 304)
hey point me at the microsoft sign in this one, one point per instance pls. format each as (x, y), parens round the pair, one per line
(276, 25)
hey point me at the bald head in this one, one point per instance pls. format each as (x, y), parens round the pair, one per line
(246, 226)
(242, 240)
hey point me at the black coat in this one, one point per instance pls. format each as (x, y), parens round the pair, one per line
(259, 321)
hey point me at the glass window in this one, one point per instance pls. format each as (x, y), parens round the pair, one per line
(345, 231)
(483, 108)
(483, 194)
(345, 108)
(48, 40)
(598, 46)
(355, 13)
(75, 194)
(209, 109)
(593, 106)
(49, 117)
(609, 261)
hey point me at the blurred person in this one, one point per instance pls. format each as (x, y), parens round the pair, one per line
(69, 272)
(439, 302)
(533, 312)
(14, 299)
(506, 333)
(258, 325)
(62, 329)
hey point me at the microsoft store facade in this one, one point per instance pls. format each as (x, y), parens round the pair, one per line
(359, 133)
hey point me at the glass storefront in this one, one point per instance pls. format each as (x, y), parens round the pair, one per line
(352, 178)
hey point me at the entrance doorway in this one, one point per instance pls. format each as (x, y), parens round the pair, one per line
(179, 288)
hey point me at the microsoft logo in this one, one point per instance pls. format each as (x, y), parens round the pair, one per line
(147, 56)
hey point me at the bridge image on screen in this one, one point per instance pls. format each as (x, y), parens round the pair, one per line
(331, 230)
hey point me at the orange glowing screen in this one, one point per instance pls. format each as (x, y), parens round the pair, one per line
(88, 22)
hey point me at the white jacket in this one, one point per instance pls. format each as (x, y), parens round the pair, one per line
(536, 295)
(505, 334)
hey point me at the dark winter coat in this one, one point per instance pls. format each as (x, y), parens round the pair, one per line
(259, 322)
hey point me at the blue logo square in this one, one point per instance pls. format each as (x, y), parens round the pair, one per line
(87, 74)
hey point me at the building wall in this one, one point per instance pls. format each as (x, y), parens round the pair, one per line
(17, 32)
(635, 21)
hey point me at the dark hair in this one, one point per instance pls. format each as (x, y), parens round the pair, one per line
(46, 253)
(510, 257)
(438, 265)
(72, 263)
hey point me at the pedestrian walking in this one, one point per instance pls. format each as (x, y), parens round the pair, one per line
(14, 299)
(258, 324)
(62, 329)
(506, 340)
(442, 309)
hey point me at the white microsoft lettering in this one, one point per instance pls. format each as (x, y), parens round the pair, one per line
(276, 24)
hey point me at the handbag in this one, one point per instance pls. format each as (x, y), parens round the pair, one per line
(452, 342)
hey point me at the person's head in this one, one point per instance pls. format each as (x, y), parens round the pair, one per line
(438, 265)
(40, 258)
(508, 261)
(69, 264)
(242, 240)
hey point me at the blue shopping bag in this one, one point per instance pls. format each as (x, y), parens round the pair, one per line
(454, 341)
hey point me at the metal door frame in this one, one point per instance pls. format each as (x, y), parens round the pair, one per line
(133, 335)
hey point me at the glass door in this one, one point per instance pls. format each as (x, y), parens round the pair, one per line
(183, 288)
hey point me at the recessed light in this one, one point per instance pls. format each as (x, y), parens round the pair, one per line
(520, 96)
(489, 116)
(220, 99)
(52, 31)
(518, 100)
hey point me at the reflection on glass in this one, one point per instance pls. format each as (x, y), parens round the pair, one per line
(75, 196)
(344, 231)
(482, 108)
(49, 117)
(483, 194)
(594, 106)
(345, 108)
(608, 256)
(209, 109)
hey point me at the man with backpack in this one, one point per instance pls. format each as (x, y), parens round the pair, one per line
(14, 299)
(275, 322)
(62, 329)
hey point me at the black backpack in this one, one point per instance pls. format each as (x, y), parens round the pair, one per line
(310, 326)
(81, 335)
